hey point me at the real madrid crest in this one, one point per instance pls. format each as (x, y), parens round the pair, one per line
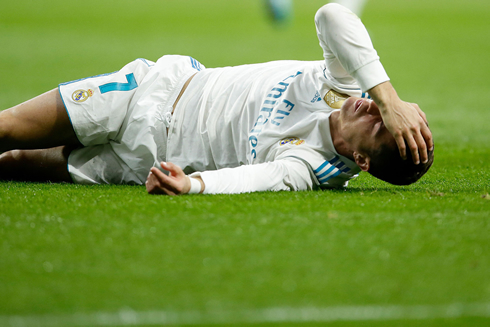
(82, 95)
(292, 141)
(335, 99)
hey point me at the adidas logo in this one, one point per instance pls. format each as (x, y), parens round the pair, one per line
(317, 97)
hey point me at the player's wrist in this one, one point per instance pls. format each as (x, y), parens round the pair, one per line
(195, 186)
(384, 95)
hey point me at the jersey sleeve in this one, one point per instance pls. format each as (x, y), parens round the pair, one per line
(347, 47)
(289, 174)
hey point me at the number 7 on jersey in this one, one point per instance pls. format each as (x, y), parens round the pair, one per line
(130, 85)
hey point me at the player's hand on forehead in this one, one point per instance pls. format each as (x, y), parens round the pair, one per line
(409, 128)
(405, 121)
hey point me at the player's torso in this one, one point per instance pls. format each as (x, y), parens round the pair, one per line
(237, 115)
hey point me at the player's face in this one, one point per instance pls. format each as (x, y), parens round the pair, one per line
(362, 126)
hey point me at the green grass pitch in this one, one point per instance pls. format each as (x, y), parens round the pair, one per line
(74, 252)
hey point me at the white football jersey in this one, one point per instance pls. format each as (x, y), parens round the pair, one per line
(279, 111)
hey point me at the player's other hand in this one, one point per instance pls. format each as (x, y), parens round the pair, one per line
(175, 183)
(405, 121)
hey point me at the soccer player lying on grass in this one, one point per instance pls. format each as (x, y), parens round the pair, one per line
(285, 125)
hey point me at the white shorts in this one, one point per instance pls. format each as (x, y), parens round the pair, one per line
(121, 119)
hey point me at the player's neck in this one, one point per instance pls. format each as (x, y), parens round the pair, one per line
(339, 143)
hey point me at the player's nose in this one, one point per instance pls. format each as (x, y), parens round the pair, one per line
(373, 109)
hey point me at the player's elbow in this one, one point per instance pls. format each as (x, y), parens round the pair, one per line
(329, 13)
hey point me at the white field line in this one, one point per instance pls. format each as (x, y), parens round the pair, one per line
(270, 315)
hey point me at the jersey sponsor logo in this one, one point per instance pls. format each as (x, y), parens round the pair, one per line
(335, 99)
(292, 141)
(272, 102)
(280, 114)
(82, 95)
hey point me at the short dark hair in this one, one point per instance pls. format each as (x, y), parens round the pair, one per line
(387, 165)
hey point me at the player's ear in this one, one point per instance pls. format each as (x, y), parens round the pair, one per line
(363, 161)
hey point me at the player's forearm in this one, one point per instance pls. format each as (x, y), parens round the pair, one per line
(346, 45)
(272, 176)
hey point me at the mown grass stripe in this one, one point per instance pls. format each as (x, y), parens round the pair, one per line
(268, 315)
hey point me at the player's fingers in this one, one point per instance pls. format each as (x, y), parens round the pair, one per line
(157, 173)
(421, 113)
(424, 131)
(152, 183)
(427, 135)
(413, 148)
(175, 181)
(165, 180)
(167, 191)
(400, 142)
(422, 148)
(174, 169)
(179, 180)
(155, 186)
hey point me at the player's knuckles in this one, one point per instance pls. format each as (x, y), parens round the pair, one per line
(414, 129)
(400, 140)
(420, 140)
(414, 148)
(416, 106)
(411, 143)
(398, 134)
(421, 147)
